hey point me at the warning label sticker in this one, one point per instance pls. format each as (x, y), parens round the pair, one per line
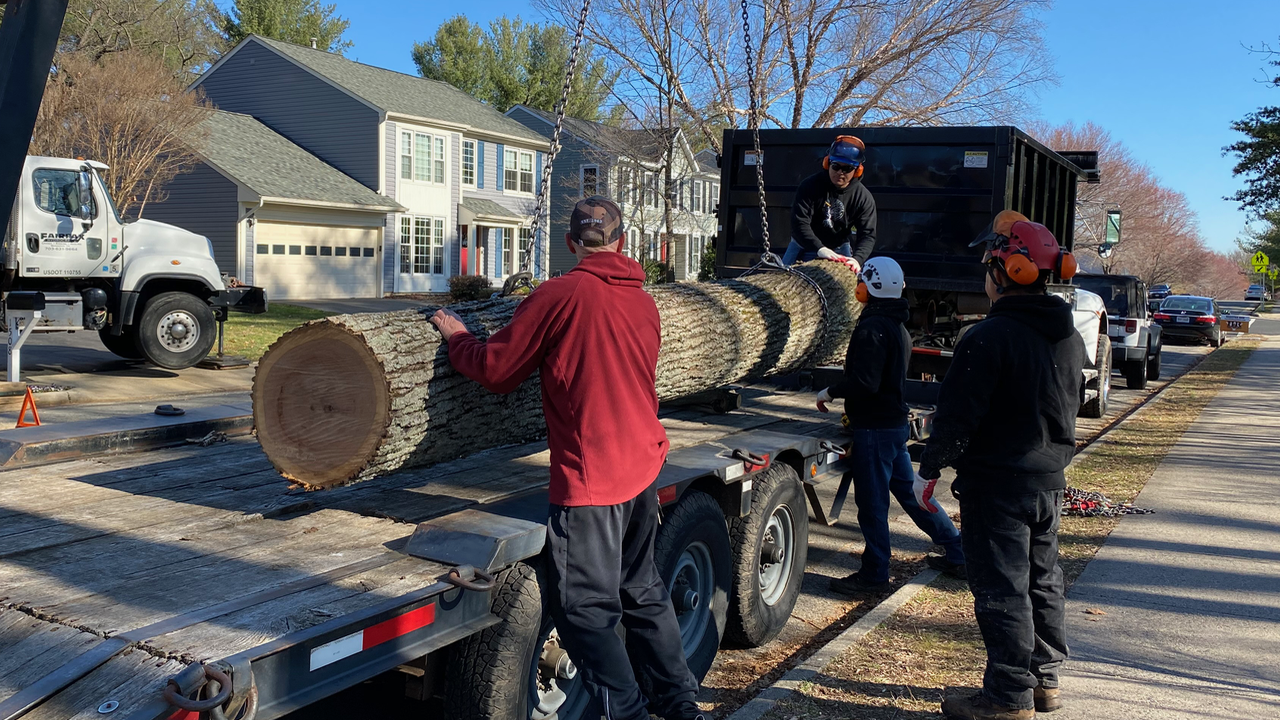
(975, 158)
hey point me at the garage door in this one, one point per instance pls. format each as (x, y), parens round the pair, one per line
(295, 261)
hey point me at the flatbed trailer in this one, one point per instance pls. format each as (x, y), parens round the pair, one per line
(124, 575)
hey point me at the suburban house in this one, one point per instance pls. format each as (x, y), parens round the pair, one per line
(630, 167)
(327, 178)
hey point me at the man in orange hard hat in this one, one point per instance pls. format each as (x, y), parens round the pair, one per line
(1006, 421)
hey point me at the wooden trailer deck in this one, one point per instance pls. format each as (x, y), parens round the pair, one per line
(196, 554)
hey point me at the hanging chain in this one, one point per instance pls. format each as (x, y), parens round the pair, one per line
(753, 122)
(544, 192)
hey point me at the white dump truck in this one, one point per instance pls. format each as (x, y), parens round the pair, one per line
(150, 290)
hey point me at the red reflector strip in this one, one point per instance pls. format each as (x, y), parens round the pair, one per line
(932, 351)
(185, 715)
(667, 494)
(344, 647)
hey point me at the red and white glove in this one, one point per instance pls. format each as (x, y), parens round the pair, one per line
(824, 397)
(924, 494)
(826, 253)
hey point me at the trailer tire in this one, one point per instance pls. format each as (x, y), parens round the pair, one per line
(763, 594)
(1097, 407)
(692, 554)
(177, 330)
(124, 345)
(493, 674)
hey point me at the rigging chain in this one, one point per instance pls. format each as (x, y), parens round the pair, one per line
(544, 192)
(753, 122)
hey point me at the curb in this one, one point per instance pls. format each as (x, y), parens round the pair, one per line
(823, 656)
(40, 445)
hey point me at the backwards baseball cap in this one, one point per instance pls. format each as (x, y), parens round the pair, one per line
(595, 222)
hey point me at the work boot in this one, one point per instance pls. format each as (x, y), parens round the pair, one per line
(967, 704)
(1048, 699)
(945, 566)
(856, 584)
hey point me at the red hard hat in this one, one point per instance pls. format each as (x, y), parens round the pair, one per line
(1025, 249)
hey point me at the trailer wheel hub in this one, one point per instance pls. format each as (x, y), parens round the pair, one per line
(776, 555)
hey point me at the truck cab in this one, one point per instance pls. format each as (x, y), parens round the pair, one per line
(151, 290)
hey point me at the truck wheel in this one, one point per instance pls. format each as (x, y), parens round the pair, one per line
(693, 557)
(1153, 365)
(770, 546)
(177, 330)
(515, 668)
(1097, 407)
(1135, 374)
(124, 345)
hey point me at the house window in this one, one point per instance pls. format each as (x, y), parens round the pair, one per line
(624, 183)
(681, 191)
(526, 172)
(406, 156)
(262, 249)
(311, 250)
(468, 162)
(588, 181)
(713, 197)
(406, 243)
(422, 157)
(651, 189)
(697, 196)
(421, 244)
(526, 243)
(326, 250)
(508, 252)
(437, 246)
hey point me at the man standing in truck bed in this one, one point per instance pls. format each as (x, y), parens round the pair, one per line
(594, 335)
(832, 207)
(1006, 421)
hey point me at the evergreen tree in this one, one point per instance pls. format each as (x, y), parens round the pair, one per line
(1259, 158)
(295, 21)
(515, 63)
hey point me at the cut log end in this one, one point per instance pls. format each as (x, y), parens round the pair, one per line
(320, 404)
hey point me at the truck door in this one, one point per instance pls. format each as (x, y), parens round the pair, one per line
(56, 240)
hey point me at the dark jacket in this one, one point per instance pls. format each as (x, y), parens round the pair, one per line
(823, 214)
(594, 335)
(875, 368)
(1007, 408)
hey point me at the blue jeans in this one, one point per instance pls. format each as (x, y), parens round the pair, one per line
(795, 251)
(882, 466)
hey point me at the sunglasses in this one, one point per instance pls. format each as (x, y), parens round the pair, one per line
(842, 168)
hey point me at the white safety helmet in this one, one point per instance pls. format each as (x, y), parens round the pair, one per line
(882, 277)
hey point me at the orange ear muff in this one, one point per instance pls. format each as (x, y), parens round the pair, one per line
(826, 163)
(1067, 266)
(857, 174)
(1020, 269)
(861, 293)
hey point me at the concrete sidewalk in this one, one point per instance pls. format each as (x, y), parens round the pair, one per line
(1191, 594)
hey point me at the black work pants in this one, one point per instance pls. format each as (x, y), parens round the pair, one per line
(600, 568)
(1011, 550)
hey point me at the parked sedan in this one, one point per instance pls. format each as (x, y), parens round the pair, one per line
(1255, 292)
(1190, 317)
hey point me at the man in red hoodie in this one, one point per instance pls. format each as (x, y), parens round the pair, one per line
(594, 335)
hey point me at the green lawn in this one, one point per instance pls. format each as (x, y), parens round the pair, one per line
(251, 335)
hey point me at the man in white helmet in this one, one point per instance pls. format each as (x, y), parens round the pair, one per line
(875, 375)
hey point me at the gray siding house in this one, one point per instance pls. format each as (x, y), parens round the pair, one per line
(630, 167)
(457, 179)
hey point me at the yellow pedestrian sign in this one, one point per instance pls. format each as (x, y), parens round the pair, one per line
(1260, 261)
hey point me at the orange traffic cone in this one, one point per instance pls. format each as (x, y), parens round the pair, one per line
(28, 402)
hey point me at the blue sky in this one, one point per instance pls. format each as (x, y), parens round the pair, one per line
(1165, 77)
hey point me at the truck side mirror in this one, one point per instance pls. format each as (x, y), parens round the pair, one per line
(84, 187)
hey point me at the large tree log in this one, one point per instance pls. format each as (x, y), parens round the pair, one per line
(352, 397)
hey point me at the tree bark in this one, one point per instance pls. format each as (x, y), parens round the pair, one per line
(352, 397)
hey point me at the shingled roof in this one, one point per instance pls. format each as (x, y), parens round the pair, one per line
(403, 94)
(257, 157)
(644, 144)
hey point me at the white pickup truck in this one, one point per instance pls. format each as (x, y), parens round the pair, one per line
(149, 289)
